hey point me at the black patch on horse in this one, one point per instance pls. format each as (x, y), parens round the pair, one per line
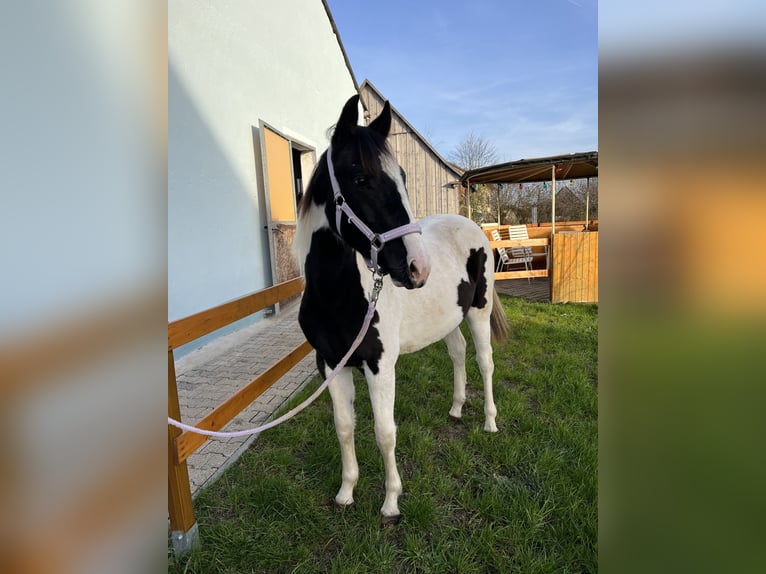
(334, 305)
(473, 293)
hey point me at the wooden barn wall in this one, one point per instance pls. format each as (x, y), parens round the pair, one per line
(427, 177)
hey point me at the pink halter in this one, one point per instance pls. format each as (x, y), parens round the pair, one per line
(377, 240)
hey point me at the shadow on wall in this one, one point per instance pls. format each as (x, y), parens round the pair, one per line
(217, 245)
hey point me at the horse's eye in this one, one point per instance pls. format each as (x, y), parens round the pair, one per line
(360, 181)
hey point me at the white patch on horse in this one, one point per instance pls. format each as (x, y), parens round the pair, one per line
(413, 243)
(310, 221)
(391, 169)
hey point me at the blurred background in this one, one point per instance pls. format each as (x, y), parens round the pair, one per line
(83, 307)
(681, 129)
(83, 313)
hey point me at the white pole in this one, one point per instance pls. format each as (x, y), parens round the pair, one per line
(587, 206)
(553, 199)
(468, 197)
(498, 204)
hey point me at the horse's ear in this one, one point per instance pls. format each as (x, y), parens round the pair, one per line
(382, 124)
(348, 117)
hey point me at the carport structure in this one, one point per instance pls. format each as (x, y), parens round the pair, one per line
(574, 249)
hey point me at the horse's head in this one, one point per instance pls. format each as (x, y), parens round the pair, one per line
(372, 184)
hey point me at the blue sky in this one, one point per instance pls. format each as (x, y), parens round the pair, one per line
(521, 73)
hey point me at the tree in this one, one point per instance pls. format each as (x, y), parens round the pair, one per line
(473, 151)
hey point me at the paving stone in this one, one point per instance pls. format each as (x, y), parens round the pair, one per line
(211, 374)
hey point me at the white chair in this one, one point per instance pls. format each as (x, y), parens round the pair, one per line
(517, 256)
(520, 232)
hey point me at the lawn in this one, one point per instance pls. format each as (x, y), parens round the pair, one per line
(521, 500)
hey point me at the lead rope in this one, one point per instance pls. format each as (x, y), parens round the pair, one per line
(377, 286)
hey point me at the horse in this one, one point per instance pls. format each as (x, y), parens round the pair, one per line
(432, 274)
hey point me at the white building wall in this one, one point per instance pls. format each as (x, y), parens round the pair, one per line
(231, 64)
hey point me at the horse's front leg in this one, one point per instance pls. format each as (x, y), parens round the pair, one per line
(342, 393)
(382, 394)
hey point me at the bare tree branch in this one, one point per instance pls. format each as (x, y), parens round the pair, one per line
(473, 151)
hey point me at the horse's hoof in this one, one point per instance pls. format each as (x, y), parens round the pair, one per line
(490, 427)
(390, 520)
(455, 420)
(343, 504)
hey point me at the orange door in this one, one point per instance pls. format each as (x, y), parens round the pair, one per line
(276, 151)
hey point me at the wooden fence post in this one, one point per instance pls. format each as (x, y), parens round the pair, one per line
(183, 525)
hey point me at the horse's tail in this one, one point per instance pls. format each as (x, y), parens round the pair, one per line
(498, 322)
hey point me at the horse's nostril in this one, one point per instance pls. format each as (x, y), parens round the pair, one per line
(417, 275)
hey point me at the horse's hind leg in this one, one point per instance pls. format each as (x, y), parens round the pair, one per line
(342, 393)
(456, 348)
(478, 321)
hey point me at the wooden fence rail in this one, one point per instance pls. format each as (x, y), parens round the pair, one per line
(508, 243)
(182, 444)
(195, 326)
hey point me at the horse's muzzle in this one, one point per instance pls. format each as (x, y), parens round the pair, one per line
(419, 274)
(412, 278)
(418, 262)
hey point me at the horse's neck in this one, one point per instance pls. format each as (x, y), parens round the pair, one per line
(335, 302)
(329, 257)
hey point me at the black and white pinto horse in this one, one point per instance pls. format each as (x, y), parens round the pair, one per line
(444, 263)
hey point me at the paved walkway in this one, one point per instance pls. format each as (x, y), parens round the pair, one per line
(208, 376)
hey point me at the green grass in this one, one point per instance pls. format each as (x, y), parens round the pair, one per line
(521, 500)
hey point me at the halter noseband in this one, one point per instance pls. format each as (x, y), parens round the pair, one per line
(377, 240)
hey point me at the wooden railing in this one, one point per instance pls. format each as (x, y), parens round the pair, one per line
(572, 258)
(508, 243)
(182, 444)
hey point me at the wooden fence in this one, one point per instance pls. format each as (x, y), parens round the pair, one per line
(539, 244)
(573, 258)
(575, 268)
(507, 243)
(181, 444)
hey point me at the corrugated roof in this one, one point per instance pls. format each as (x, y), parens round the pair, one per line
(569, 166)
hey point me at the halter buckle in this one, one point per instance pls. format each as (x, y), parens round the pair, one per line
(376, 241)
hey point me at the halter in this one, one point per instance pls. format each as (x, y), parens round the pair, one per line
(377, 240)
